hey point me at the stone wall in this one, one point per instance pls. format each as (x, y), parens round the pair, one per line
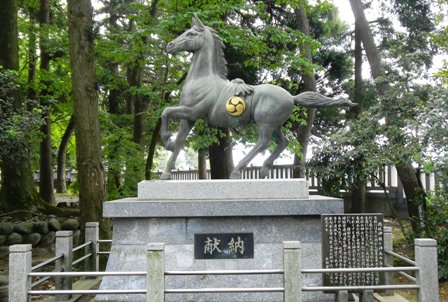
(39, 233)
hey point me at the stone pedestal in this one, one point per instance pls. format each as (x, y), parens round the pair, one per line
(172, 212)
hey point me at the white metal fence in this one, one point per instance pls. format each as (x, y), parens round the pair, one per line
(386, 176)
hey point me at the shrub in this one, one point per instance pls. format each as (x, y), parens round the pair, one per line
(434, 224)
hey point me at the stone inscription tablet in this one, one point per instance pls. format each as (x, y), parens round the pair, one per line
(352, 241)
(224, 246)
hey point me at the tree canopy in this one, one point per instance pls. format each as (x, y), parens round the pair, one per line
(298, 45)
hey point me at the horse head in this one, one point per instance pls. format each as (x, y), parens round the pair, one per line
(191, 40)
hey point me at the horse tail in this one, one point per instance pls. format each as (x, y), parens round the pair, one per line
(312, 99)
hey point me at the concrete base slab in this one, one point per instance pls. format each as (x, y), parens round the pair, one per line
(222, 189)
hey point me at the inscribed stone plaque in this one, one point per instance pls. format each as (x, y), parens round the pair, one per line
(352, 241)
(224, 246)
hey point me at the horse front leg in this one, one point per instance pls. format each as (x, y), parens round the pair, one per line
(165, 135)
(264, 136)
(184, 130)
(177, 113)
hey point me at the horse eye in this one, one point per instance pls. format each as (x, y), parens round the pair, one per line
(191, 34)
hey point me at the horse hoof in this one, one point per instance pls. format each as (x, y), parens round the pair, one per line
(165, 176)
(264, 172)
(235, 175)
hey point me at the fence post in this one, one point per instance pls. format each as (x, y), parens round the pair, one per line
(155, 272)
(388, 259)
(19, 268)
(292, 276)
(427, 276)
(367, 296)
(64, 246)
(342, 296)
(92, 234)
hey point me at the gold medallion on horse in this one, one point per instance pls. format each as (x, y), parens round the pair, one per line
(235, 106)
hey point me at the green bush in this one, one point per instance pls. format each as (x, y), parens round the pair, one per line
(20, 119)
(434, 224)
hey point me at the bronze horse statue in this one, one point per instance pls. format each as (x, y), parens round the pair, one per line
(208, 94)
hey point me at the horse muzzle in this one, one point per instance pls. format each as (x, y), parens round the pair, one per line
(171, 48)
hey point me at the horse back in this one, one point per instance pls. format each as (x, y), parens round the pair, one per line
(263, 104)
(272, 105)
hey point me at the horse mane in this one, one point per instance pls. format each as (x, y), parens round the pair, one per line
(221, 63)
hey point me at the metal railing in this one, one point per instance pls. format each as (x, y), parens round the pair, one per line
(22, 273)
(425, 282)
(26, 280)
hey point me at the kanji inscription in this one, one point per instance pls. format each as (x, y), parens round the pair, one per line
(224, 246)
(352, 241)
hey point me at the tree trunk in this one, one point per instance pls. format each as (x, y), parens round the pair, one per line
(359, 82)
(220, 156)
(46, 185)
(152, 149)
(85, 106)
(414, 192)
(358, 194)
(140, 103)
(9, 48)
(32, 58)
(61, 185)
(359, 190)
(303, 133)
(140, 106)
(114, 93)
(405, 170)
(46, 181)
(366, 35)
(202, 164)
(17, 189)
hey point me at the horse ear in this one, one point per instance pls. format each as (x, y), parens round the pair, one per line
(197, 22)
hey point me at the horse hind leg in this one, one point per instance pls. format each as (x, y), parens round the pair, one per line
(264, 136)
(282, 143)
(184, 129)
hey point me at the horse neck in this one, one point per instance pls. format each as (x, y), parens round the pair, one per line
(203, 64)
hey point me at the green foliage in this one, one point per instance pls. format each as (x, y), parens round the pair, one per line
(350, 155)
(416, 16)
(204, 136)
(440, 39)
(123, 159)
(434, 224)
(19, 126)
(417, 132)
